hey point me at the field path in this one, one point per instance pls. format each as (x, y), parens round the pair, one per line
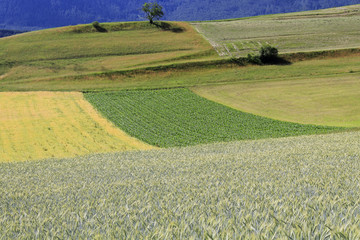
(37, 125)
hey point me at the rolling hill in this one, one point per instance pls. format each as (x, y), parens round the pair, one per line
(81, 50)
(138, 55)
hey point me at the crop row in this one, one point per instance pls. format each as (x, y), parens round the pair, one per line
(178, 117)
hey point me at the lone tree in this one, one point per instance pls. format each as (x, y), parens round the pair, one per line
(153, 11)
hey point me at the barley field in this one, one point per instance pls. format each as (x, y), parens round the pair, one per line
(290, 188)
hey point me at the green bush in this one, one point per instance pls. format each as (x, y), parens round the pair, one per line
(268, 53)
(96, 24)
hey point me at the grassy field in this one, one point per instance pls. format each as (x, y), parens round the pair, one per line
(177, 117)
(292, 188)
(335, 28)
(332, 101)
(37, 125)
(78, 50)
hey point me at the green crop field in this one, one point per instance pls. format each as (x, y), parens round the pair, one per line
(292, 188)
(335, 28)
(178, 117)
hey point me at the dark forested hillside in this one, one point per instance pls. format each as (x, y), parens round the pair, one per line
(51, 13)
(6, 33)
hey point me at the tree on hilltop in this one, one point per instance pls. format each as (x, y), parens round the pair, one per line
(153, 11)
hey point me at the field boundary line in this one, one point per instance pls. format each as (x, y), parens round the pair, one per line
(109, 127)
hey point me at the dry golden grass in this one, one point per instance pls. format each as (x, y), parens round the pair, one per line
(38, 125)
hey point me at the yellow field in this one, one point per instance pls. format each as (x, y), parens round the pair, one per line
(38, 125)
(332, 101)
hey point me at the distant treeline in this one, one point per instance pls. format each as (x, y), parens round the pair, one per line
(6, 33)
(52, 13)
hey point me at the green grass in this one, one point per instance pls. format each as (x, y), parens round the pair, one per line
(292, 188)
(78, 50)
(332, 101)
(326, 29)
(178, 117)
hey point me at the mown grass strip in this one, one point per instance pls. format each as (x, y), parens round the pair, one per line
(178, 117)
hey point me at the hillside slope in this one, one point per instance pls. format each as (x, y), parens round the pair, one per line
(82, 49)
(138, 55)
